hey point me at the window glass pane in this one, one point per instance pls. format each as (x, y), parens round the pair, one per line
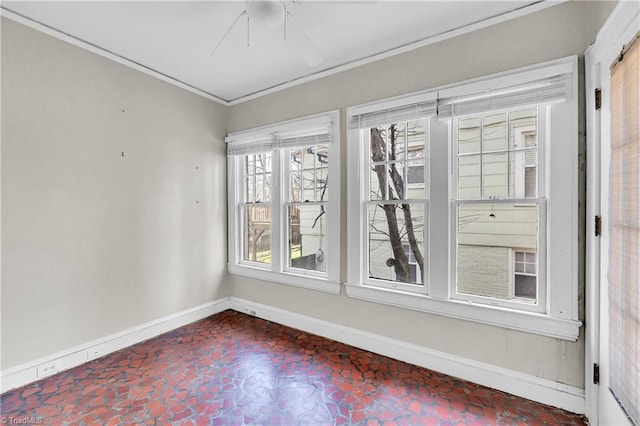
(494, 176)
(308, 185)
(296, 186)
(322, 156)
(494, 132)
(308, 158)
(530, 182)
(260, 162)
(250, 165)
(395, 171)
(296, 160)
(391, 229)
(377, 182)
(469, 135)
(415, 139)
(415, 177)
(322, 182)
(250, 188)
(397, 140)
(469, 177)
(487, 234)
(307, 237)
(267, 162)
(257, 234)
(263, 188)
(523, 174)
(523, 128)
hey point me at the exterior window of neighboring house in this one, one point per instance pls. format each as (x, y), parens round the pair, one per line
(524, 275)
(415, 276)
(462, 200)
(284, 210)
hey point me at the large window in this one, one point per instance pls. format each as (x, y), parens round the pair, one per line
(464, 201)
(283, 206)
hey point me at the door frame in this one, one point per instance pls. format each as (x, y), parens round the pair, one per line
(620, 27)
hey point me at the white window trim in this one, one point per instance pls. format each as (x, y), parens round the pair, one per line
(278, 271)
(560, 318)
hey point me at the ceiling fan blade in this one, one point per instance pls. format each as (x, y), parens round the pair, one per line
(244, 12)
(305, 46)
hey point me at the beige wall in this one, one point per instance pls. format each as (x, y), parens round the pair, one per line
(556, 32)
(93, 242)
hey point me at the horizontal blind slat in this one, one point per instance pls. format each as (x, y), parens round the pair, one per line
(393, 115)
(545, 91)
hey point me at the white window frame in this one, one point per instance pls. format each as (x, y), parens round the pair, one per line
(559, 314)
(279, 271)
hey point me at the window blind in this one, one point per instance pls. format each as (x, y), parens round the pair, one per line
(321, 136)
(393, 115)
(275, 138)
(251, 146)
(624, 229)
(544, 91)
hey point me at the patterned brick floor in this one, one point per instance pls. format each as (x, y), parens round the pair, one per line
(233, 369)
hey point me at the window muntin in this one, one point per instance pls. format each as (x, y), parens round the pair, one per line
(395, 204)
(496, 209)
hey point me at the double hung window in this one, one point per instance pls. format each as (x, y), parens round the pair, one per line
(284, 202)
(497, 210)
(464, 201)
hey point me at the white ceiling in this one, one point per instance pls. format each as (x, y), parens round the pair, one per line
(176, 39)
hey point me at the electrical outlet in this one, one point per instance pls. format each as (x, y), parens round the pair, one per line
(93, 353)
(48, 369)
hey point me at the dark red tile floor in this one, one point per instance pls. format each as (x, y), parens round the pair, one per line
(233, 369)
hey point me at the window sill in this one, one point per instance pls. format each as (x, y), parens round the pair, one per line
(529, 322)
(295, 280)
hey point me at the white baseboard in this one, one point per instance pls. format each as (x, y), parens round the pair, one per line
(545, 391)
(46, 366)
